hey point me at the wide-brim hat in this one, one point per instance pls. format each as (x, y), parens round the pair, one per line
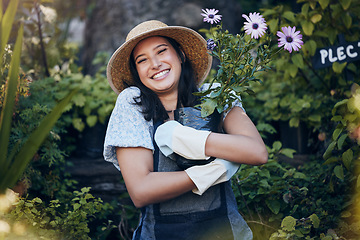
(191, 42)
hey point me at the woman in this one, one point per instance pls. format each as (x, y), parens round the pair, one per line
(155, 72)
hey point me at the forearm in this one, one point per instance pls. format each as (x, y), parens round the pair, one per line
(160, 186)
(236, 148)
(242, 142)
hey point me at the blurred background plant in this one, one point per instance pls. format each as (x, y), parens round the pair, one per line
(313, 112)
(295, 92)
(30, 133)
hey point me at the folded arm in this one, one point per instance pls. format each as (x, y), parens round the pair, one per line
(241, 144)
(145, 186)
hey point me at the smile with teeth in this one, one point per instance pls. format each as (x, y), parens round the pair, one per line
(160, 74)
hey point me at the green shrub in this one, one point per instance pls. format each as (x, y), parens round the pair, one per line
(59, 219)
(280, 200)
(268, 194)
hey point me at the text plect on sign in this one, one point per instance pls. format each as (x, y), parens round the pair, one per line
(347, 52)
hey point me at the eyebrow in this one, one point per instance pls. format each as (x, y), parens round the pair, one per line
(160, 45)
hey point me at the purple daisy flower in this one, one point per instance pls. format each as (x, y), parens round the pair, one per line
(290, 39)
(210, 44)
(211, 16)
(255, 25)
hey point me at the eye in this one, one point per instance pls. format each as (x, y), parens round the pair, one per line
(162, 50)
(141, 60)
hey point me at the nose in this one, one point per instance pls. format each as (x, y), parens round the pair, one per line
(155, 63)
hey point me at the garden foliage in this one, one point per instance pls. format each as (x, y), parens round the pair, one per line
(51, 210)
(327, 102)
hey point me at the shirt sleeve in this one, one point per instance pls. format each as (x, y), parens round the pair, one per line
(127, 126)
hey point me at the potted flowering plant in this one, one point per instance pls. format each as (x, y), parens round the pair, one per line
(242, 57)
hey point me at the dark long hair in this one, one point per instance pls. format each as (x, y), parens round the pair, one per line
(152, 107)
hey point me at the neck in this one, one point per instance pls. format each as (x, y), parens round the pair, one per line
(169, 102)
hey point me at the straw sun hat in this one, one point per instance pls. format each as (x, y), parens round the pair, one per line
(191, 42)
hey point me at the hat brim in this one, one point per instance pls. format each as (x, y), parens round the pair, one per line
(191, 42)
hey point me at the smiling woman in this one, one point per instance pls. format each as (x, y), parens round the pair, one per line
(155, 72)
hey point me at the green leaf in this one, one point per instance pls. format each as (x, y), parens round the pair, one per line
(312, 5)
(324, 3)
(341, 140)
(268, 12)
(315, 220)
(298, 233)
(79, 100)
(336, 133)
(6, 25)
(337, 118)
(292, 69)
(347, 158)
(208, 107)
(294, 122)
(347, 20)
(297, 59)
(308, 27)
(345, 4)
(37, 200)
(338, 67)
(277, 145)
(309, 47)
(305, 9)
(288, 152)
(299, 175)
(313, 46)
(78, 124)
(273, 205)
(76, 206)
(316, 18)
(346, 214)
(288, 223)
(342, 102)
(273, 25)
(289, 16)
(328, 151)
(331, 160)
(315, 118)
(215, 94)
(339, 172)
(91, 120)
(9, 101)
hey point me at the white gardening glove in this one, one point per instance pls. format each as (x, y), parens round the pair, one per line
(215, 172)
(188, 142)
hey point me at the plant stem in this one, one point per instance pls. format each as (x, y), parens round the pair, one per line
(261, 223)
(43, 53)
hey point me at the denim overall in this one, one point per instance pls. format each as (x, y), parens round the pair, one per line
(212, 215)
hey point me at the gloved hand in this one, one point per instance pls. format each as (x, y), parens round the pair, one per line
(215, 172)
(188, 142)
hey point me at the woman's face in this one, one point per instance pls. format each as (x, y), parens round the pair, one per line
(158, 65)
